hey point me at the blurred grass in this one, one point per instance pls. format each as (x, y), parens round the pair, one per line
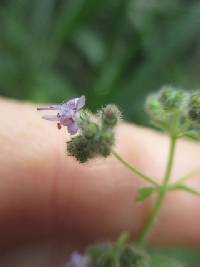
(110, 50)
(175, 258)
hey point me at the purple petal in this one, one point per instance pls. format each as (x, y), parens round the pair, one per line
(81, 102)
(51, 117)
(77, 260)
(55, 107)
(68, 114)
(72, 127)
(71, 104)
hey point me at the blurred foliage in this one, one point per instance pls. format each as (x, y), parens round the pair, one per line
(175, 258)
(109, 50)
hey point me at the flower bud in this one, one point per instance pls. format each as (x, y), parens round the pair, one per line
(110, 116)
(89, 128)
(106, 141)
(96, 136)
(84, 147)
(171, 99)
(80, 148)
(154, 107)
(194, 107)
(123, 255)
(133, 256)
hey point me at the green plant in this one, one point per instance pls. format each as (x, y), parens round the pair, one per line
(172, 110)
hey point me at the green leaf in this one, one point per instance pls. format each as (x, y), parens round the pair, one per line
(144, 193)
(194, 135)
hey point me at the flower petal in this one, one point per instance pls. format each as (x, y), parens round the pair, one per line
(77, 260)
(72, 127)
(80, 102)
(50, 117)
(71, 104)
(54, 107)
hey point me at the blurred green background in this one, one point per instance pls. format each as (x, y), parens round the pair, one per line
(109, 50)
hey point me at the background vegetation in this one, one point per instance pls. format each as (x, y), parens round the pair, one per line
(109, 50)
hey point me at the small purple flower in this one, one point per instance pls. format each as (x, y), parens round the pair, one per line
(77, 260)
(68, 114)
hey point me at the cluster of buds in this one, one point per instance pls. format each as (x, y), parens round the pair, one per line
(175, 110)
(118, 254)
(111, 256)
(194, 107)
(164, 104)
(94, 134)
(172, 99)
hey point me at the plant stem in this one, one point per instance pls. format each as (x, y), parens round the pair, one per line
(162, 193)
(188, 176)
(134, 170)
(178, 186)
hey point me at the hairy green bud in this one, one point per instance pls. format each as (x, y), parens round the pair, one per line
(112, 255)
(194, 107)
(166, 102)
(168, 109)
(89, 129)
(84, 148)
(92, 142)
(134, 257)
(171, 99)
(87, 147)
(154, 107)
(106, 141)
(110, 116)
(96, 136)
(80, 148)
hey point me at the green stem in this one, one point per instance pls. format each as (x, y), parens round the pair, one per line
(134, 170)
(162, 193)
(185, 188)
(188, 176)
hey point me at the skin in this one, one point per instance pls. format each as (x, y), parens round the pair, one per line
(46, 197)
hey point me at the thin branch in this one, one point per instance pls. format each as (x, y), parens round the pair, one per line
(188, 176)
(184, 188)
(134, 170)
